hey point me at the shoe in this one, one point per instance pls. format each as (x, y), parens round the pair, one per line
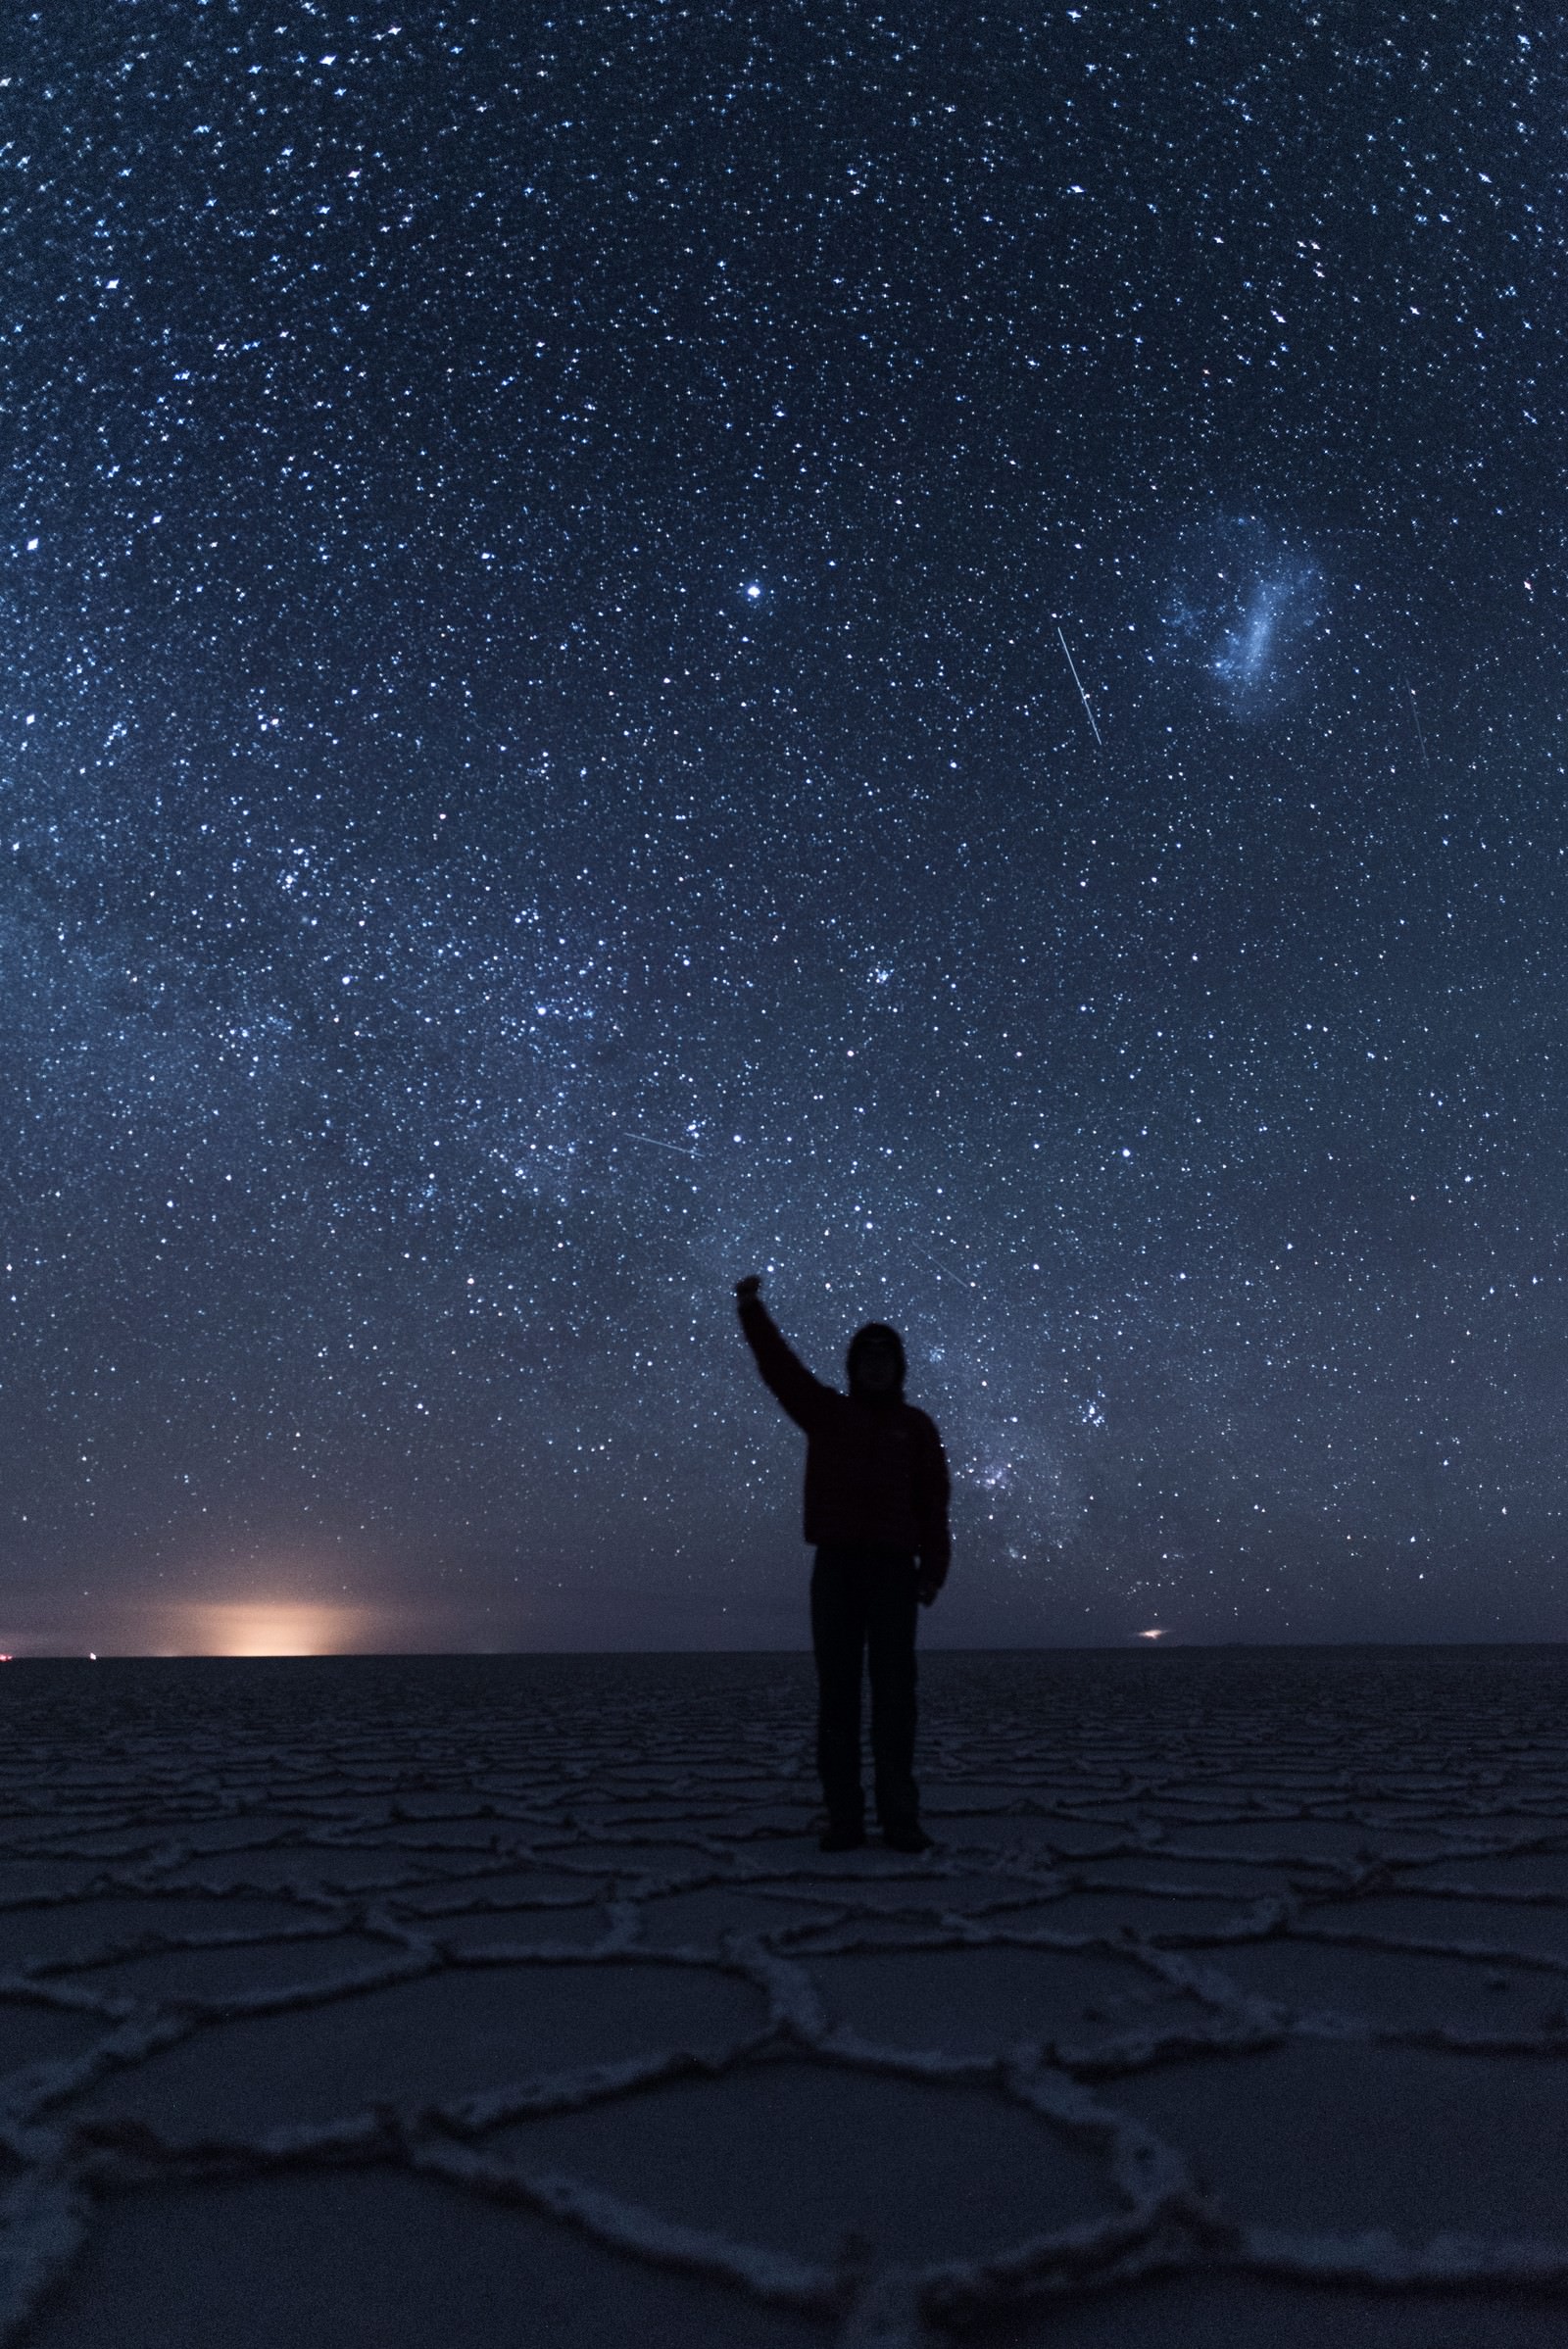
(907, 1835)
(845, 1837)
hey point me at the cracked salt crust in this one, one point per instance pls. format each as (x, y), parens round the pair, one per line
(1231, 1975)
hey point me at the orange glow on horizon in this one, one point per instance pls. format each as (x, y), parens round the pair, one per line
(286, 1626)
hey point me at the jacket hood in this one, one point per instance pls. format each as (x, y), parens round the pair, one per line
(877, 1333)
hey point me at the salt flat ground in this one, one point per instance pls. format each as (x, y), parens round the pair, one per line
(465, 2000)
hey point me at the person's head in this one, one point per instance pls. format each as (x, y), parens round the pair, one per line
(875, 1360)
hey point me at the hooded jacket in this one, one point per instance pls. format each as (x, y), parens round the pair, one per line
(876, 1471)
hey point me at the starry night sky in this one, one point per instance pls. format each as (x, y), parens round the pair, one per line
(542, 772)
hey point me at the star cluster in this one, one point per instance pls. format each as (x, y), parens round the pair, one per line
(538, 773)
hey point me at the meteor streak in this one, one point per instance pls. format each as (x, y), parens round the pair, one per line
(1420, 732)
(654, 1143)
(944, 1272)
(1078, 681)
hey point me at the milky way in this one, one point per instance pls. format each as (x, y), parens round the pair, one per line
(538, 776)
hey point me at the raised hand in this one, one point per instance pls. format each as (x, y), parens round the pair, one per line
(748, 1288)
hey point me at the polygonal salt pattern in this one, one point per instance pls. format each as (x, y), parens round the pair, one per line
(377, 2001)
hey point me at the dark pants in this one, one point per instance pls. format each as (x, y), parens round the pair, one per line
(863, 1605)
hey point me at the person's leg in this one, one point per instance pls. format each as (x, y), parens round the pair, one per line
(891, 1619)
(838, 1636)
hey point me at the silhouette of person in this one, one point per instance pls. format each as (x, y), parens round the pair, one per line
(876, 1508)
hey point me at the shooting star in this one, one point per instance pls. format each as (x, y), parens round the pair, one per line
(1078, 681)
(654, 1143)
(943, 1272)
(1419, 735)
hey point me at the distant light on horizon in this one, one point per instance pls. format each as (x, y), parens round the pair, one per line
(1156, 1634)
(271, 1628)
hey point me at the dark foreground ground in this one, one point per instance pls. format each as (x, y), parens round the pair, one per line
(445, 2001)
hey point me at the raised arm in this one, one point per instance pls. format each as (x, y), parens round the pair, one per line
(784, 1374)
